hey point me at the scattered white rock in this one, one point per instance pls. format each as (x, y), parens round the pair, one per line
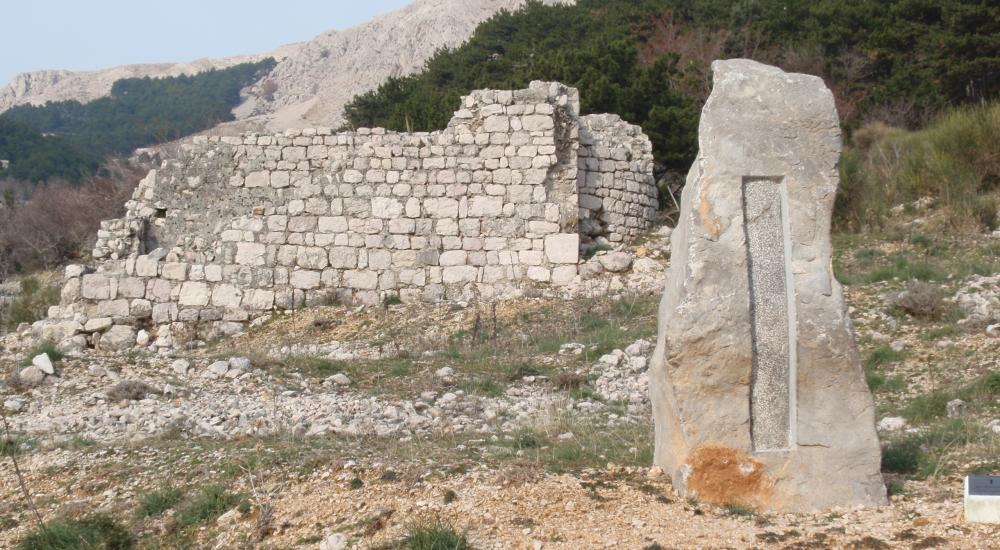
(444, 372)
(336, 541)
(892, 424)
(241, 363)
(15, 404)
(43, 363)
(956, 408)
(219, 368)
(571, 348)
(181, 366)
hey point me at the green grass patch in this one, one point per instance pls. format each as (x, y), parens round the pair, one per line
(434, 535)
(484, 386)
(313, 367)
(207, 506)
(96, 532)
(158, 501)
(739, 511)
(883, 355)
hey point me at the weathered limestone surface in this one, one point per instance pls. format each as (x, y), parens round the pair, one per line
(758, 392)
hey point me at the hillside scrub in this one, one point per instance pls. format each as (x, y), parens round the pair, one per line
(57, 223)
(955, 162)
(139, 112)
(899, 61)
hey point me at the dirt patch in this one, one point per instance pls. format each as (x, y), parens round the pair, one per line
(725, 476)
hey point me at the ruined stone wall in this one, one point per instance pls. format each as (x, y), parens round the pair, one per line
(233, 227)
(617, 188)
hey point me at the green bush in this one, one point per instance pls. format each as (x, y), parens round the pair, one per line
(96, 532)
(902, 456)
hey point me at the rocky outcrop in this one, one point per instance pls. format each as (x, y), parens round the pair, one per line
(758, 393)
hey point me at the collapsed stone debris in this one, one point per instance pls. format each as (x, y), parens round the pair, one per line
(232, 228)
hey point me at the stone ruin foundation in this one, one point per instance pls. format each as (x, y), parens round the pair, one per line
(231, 228)
(758, 394)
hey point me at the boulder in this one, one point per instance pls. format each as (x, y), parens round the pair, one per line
(759, 398)
(181, 366)
(31, 376)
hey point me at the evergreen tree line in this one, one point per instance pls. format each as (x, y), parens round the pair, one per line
(70, 140)
(901, 61)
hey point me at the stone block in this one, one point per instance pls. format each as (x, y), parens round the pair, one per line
(361, 280)
(563, 248)
(459, 274)
(453, 258)
(227, 296)
(305, 280)
(97, 286)
(251, 254)
(194, 294)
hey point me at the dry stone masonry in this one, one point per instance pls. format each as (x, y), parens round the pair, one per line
(234, 227)
(757, 389)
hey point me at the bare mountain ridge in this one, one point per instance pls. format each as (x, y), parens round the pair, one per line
(312, 81)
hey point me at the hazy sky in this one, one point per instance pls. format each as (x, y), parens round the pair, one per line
(93, 34)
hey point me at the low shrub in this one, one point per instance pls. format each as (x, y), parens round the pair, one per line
(130, 390)
(922, 300)
(902, 456)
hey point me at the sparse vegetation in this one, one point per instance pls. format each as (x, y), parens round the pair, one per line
(31, 304)
(922, 300)
(48, 348)
(951, 163)
(156, 502)
(96, 532)
(131, 390)
(210, 503)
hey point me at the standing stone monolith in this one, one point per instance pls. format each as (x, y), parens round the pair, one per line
(758, 394)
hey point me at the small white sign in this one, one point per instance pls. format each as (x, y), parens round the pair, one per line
(982, 499)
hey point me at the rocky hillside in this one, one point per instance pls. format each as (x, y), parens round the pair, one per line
(313, 80)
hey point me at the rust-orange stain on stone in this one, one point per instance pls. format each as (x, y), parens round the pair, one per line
(711, 223)
(722, 475)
